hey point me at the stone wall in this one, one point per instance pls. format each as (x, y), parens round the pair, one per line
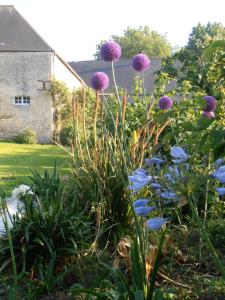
(26, 74)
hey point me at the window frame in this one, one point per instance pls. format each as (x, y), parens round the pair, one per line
(22, 100)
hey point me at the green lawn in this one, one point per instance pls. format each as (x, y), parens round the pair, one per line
(16, 162)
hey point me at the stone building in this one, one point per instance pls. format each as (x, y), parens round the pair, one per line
(27, 66)
(124, 73)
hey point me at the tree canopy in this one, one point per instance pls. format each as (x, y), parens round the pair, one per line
(205, 75)
(140, 40)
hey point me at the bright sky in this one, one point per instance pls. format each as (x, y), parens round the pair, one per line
(74, 27)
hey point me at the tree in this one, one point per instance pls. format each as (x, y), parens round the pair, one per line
(203, 75)
(139, 40)
(210, 50)
(201, 36)
(61, 96)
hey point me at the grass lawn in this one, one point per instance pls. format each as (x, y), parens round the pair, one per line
(16, 162)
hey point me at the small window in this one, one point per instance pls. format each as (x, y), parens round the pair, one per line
(22, 100)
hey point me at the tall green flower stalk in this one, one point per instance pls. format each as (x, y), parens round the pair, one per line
(102, 177)
(15, 276)
(76, 137)
(95, 118)
(121, 109)
(84, 119)
(115, 85)
(144, 91)
(120, 139)
(139, 255)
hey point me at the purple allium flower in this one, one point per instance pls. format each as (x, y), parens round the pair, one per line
(210, 103)
(221, 191)
(100, 81)
(156, 223)
(140, 202)
(153, 161)
(179, 154)
(110, 51)
(141, 62)
(208, 114)
(144, 210)
(165, 102)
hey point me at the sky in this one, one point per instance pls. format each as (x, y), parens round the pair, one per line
(74, 27)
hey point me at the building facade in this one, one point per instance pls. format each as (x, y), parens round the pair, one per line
(27, 67)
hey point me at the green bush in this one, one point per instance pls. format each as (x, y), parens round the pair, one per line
(66, 135)
(50, 224)
(216, 229)
(28, 136)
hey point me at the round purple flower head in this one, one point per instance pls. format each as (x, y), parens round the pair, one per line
(208, 114)
(100, 81)
(110, 51)
(165, 102)
(210, 103)
(141, 62)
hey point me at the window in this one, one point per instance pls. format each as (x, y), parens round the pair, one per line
(44, 85)
(23, 100)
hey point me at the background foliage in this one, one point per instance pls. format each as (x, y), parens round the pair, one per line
(142, 39)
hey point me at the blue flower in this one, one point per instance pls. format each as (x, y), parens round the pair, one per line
(179, 154)
(218, 162)
(138, 179)
(153, 161)
(156, 186)
(221, 191)
(169, 177)
(168, 195)
(174, 171)
(140, 202)
(140, 171)
(221, 169)
(144, 210)
(156, 223)
(219, 174)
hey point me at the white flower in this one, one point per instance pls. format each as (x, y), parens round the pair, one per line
(13, 205)
(22, 189)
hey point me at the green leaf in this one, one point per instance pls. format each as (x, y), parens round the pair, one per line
(189, 126)
(158, 295)
(204, 123)
(5, 264)
(139, 295)
(167, 137)
(137, 267)
(162, 116)
(120, 281)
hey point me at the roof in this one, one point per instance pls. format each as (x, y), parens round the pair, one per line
(16, 34)
(124, 73)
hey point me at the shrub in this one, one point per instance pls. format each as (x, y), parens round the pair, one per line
(216, 230)
(28, 136)
(50, 223)
(66, 135)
